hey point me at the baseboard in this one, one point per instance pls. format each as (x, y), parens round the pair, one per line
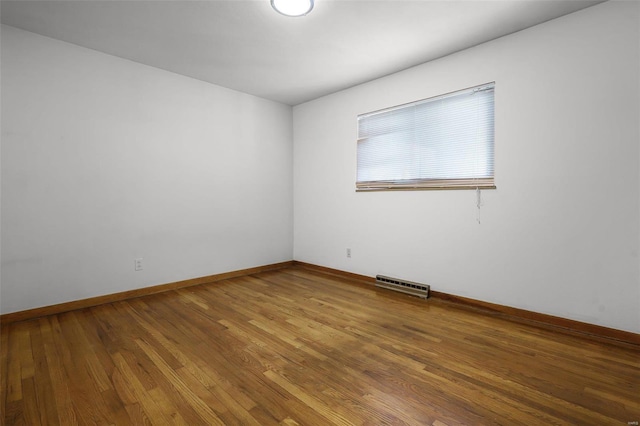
(507, 312)
(336, 272)
(516, 314)
(573, 326)
(130, 294)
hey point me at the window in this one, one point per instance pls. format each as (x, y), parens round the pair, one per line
(445, 142)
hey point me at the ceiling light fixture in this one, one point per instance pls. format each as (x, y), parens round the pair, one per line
(292, 8)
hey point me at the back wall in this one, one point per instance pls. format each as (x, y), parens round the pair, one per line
(559, 235)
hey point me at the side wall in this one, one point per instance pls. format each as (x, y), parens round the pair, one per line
(560, 233)
(105, 160)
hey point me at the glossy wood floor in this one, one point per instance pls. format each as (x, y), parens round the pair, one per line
(301, 347)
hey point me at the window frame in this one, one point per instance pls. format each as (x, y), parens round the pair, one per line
(487, 182)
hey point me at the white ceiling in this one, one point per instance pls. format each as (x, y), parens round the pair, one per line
(247, 46)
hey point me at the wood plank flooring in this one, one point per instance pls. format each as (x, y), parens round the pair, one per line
(300, 347)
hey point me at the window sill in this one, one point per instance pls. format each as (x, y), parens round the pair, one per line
(425, 188)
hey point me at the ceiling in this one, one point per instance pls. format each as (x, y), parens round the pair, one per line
(245, 45)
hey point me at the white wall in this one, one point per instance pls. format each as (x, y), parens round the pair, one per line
(560, 234)
(106, 160)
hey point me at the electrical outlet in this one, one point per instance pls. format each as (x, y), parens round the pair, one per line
(138, 264)
(348, 252)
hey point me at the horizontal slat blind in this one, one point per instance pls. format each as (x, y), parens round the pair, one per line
(441, 142)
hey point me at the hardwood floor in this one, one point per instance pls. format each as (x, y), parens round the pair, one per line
(301, 347)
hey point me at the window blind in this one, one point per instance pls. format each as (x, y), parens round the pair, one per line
(440, 142)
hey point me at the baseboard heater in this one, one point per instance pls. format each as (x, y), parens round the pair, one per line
(416, 289)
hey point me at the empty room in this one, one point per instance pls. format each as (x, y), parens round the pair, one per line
(318, 212)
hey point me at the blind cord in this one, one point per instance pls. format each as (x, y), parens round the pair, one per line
(478, 202)
(477, 159)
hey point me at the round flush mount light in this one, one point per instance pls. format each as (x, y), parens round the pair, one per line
(292, 8)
